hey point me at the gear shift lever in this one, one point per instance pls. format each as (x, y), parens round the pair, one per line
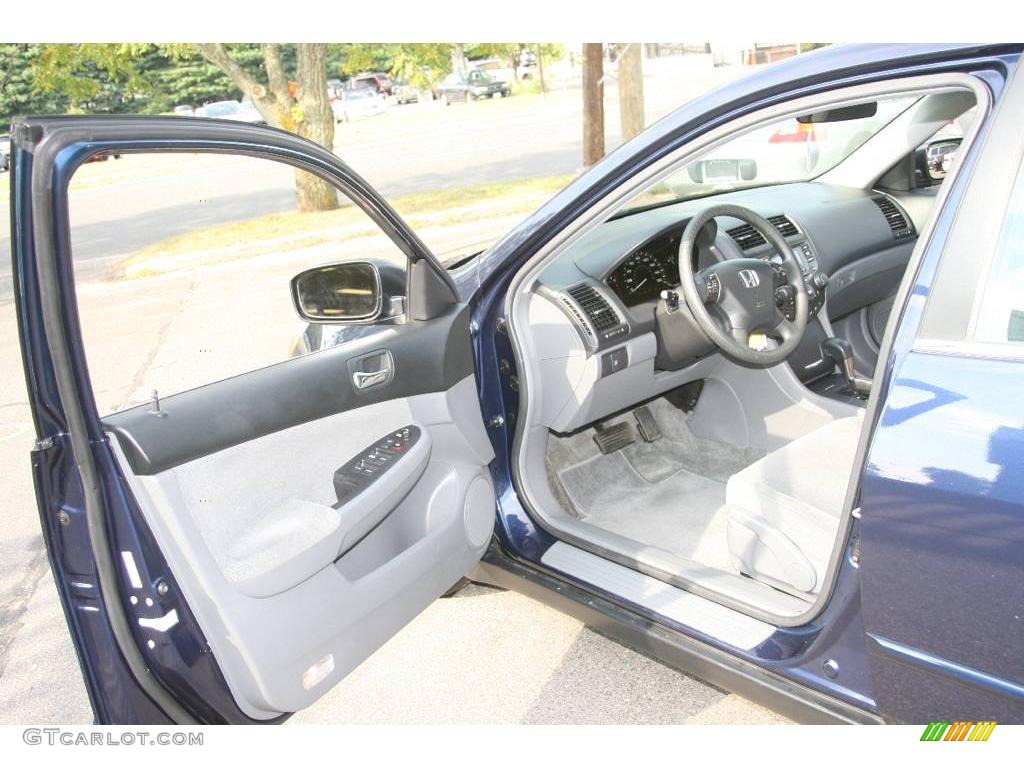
(842, 355)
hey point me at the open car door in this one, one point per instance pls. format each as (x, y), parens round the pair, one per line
(230, 552)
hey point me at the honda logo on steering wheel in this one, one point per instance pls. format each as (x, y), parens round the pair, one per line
(749, 278)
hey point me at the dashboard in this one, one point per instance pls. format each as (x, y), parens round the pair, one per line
(603, 345)
(610, 281)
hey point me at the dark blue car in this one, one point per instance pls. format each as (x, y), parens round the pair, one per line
(744, 396)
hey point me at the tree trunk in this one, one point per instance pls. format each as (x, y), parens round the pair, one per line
(308, 113)
(316, 123)
(458, 60)
(631, 91)
(593, 103)
(540, 71)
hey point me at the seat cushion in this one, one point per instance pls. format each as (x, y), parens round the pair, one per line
(784, 510)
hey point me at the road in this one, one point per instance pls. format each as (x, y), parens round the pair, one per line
(126, 203)
(482, 656)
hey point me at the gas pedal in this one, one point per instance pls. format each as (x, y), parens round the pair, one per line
(614, 437)
(647, 424)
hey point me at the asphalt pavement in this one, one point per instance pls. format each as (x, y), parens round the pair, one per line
(481, 656)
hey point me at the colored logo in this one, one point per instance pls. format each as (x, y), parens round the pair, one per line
(961, 730)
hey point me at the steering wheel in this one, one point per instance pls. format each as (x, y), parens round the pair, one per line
(734, 299)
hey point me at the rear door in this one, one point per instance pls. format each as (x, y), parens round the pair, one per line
(230, 551)
(942, 499)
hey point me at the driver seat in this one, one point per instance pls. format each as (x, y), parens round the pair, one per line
(783, 511)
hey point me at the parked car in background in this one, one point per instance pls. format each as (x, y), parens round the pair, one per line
(379, 82)
(502, 68)
(355, 104)
(184, 110)
(335, 86)
(405, 93)
(242, 111)
(5, 151)
(499, 69)
(470, 86)
(250, 114)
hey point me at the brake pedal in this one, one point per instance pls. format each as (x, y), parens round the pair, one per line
(614, 437)
(647, 424)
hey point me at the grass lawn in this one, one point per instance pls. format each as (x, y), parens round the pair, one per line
(291, 229)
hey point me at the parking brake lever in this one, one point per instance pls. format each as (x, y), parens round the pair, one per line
(841, 353)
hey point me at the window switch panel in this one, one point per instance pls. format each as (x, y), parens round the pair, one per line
(373, 462)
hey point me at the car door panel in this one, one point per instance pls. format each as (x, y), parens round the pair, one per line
(426, 356)
(274, 600)
(208, 526)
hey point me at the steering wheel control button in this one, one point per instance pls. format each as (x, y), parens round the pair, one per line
(712, 289)
(371, 463)
(784, 294)
(614, 361)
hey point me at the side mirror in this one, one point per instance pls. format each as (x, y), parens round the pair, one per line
(349, 292)
(933, 160)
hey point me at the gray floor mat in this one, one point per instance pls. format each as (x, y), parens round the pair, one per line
(670, 493)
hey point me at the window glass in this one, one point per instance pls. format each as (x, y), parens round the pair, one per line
(1000, 316)
(183, 265)
(783, 151)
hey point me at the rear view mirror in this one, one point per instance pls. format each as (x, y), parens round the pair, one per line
(338, 293)
(841, 114)
(718, 171)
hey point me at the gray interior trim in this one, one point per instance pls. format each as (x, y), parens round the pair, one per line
(214, 417)
(434, 530)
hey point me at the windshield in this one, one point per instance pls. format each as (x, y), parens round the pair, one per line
(784, 151)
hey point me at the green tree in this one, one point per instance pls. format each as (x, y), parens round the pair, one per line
(288, 85)
(18, 92)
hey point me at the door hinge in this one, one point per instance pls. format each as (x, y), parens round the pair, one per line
(44, 443)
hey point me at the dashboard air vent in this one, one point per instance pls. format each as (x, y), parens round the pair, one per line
(893, 216)
(595, 307)
(784, 224)
(746, 237)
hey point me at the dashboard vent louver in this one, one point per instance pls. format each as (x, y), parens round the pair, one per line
(746, 237)
(594, 306)
(893, 216)
(784, 224)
